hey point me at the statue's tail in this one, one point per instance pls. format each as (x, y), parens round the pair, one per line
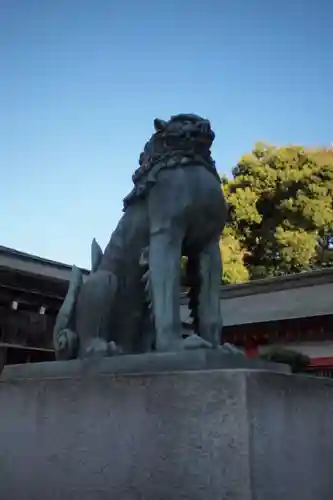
(65, 340)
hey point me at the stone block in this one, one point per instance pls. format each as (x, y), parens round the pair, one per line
(87, 431)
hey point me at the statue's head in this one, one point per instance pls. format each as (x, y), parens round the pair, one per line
(186, 127)
(185, 139)
(186, 133)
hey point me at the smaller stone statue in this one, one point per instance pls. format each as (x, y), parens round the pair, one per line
(130, 303)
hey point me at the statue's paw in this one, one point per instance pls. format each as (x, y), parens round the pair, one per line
(114, 349)
(190, 342)
(194, 341)
(231, 349)
(97, 348)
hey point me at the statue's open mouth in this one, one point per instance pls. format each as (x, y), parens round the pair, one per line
(206, 139)
(196, 134)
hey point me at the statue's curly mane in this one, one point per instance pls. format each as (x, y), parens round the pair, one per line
(184, 140)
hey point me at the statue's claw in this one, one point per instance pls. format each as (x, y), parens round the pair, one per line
(194, 341)
(231, 349)
(114, 349)
(97, 348)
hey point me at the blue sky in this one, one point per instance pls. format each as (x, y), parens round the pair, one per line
(82, 81)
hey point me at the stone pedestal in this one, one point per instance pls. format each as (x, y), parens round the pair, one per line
(79, 431)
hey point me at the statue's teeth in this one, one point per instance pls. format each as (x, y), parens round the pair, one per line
(145, 277)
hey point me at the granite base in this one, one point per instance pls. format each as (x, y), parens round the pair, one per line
(78, 432)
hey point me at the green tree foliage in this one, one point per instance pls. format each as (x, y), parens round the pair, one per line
(296, 360)
(234, 270)
(281, 218)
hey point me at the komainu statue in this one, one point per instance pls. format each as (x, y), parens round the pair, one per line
(130, 302)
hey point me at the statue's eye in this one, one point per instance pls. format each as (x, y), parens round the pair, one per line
(170, 141)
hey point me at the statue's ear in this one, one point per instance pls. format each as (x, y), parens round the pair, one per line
(159, 125)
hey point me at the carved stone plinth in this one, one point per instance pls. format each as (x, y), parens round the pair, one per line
(130, 429)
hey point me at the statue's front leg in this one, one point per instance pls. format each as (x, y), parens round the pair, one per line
(210, 317)
(164, 271)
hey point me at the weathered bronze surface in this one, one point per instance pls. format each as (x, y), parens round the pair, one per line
(130, 301)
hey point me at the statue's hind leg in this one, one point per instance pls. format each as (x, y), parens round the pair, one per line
(93, 314)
